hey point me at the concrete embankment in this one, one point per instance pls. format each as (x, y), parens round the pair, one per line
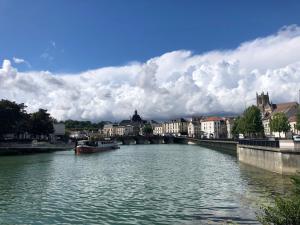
(283, 161)
(209, 143)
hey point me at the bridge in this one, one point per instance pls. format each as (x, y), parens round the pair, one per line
(138, 139)
(213, 143)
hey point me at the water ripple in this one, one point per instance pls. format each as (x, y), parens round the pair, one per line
(151, 184)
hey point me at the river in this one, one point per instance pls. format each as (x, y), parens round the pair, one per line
(136, 184)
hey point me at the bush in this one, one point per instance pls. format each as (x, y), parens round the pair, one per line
(286, 209)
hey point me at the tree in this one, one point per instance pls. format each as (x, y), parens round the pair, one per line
(286, 209)
(147, 129)
(252, 122)
(13, 117)
(238, 126)
(279, 123)
(41, 123)
(83, 125)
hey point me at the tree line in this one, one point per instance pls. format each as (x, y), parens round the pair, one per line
(14, 119)
(83, 125)
(250, 123)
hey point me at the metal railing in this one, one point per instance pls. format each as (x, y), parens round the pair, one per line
(260, 142)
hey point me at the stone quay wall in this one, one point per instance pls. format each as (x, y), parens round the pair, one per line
(282, 161)
(209, 143)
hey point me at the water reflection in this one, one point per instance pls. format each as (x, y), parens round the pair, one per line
(150, 184)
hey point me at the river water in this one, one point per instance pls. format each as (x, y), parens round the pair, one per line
(136, 184)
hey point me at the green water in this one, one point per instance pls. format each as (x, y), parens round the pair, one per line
(137, 184)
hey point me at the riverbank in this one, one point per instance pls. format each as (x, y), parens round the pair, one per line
(21, 148)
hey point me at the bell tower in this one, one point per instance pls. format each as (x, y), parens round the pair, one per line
(263, 103)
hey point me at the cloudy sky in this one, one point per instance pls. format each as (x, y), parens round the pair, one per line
(196, 64)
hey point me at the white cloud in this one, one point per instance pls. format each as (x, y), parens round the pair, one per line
(18, 60)
(173, 84)
(21, 61)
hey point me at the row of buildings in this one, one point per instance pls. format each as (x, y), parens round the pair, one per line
(197, 127)
(202, 127)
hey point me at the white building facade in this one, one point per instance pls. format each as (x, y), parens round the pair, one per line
(109, 130)
(176, 127)
(158, 129)
(213, 127)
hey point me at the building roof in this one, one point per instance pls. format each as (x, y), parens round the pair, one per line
(212, 118)
(293, 119)
(125, 122)
(111, 125)
(176, 120)
(288, 108)
(284, 107)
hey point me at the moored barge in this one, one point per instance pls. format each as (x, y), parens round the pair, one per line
(86, 146)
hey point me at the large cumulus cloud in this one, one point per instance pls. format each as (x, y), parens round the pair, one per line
(173, 84)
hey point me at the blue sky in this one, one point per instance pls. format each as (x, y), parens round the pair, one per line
(99, 60)
(73, 36)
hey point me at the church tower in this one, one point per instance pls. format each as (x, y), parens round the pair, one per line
(263, 103)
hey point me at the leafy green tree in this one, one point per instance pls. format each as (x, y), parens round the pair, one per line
(13, 117)
(279, 123)
(238, 126)
(83, 125)
(285, 210)
(147, 129)
(41, 123)
(252, 122)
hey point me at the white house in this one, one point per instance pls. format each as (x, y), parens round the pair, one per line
(213, 127)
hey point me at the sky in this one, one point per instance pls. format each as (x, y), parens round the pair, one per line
(100, 60)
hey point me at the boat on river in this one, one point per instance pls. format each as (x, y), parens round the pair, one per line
(86, 146)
